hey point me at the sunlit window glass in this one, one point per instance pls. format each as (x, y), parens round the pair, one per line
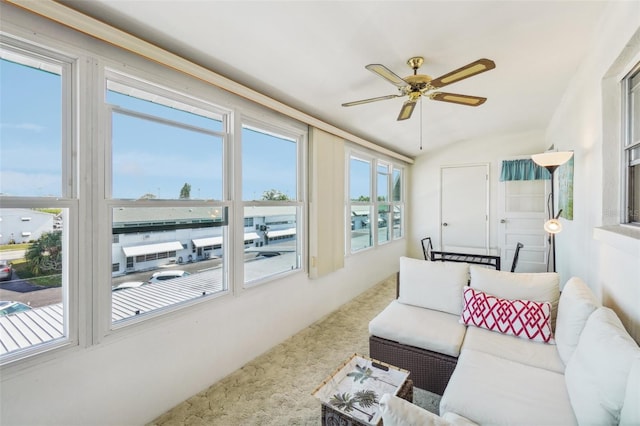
(31, 127)
(162, 157)
(269, 166)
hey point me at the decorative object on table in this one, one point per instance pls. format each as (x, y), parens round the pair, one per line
(353, 391)
(551, 160)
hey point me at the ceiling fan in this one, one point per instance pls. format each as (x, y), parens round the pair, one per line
(418, 85)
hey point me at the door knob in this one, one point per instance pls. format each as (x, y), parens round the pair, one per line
(503, 220)
(445, 224)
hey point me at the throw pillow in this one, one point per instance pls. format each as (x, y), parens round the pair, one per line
(576, 303)
(521, 318)
(537, 287)
(433, 285)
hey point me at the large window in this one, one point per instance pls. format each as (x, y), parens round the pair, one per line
(126, 195)
(272, 200)
(166, 203)
(378, 219)
(361, 203)
(38, 185)
(631, 150)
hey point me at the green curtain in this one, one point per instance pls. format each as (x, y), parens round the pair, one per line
(522, 170)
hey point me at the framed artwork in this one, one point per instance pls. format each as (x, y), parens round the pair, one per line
(565, 186)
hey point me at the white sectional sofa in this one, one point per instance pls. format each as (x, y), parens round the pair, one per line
(506, 348)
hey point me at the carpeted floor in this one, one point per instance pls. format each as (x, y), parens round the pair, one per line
(275, 388)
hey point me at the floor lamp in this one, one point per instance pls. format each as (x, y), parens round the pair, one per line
(551, 161)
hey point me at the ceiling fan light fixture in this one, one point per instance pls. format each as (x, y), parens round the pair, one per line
(418, 85)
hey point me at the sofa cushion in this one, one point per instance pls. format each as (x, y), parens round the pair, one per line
(537, 287)
(596, 374)
(535, 354)
(576, 303)
(399, 412)
(491, 390)
(630, 413)
(521, 318)
(433, 285)
(423, 328)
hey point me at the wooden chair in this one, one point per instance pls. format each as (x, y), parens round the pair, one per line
(426, 248)
(515, 256)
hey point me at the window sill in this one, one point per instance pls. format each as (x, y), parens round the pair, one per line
(622, 237)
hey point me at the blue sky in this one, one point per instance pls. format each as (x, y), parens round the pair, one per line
(149, 157)
(30, 131)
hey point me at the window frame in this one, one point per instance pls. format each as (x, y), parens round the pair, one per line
(71, 70)
(375, 203)
(86, 174)
(285, 129)
(134, 80)
(628, 145)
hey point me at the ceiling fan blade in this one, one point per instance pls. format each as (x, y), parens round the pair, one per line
(477, 67)
(457, 99)
(407, 110)
(366, 101)
(387, 74)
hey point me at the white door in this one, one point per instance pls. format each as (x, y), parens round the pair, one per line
(522, 213)
(464, 209)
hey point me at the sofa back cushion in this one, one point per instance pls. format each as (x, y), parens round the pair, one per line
(576, 303)
(536, 287)
(596, 375)
(433, 285)
(630, 414)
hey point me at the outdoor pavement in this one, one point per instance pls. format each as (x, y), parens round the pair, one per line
(33, 298)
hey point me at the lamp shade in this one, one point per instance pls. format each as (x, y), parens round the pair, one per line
(553, 226)
(552, 158)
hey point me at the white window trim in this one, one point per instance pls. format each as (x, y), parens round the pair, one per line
(627, 143)
(374, 160)
(72, 68)
(89, 306)
(280, 128)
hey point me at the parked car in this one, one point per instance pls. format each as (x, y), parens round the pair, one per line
(128, 284)
(6, 270)
(167, 275)
(8, 308)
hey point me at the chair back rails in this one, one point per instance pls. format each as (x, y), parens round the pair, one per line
(448, 256)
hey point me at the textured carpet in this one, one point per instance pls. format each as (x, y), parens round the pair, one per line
(275, 388)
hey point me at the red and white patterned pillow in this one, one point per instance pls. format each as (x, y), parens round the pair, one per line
(521, 318)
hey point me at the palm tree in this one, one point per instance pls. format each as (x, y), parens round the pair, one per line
(347, 403)
(45, 254)
(365, 373)
(366, 398)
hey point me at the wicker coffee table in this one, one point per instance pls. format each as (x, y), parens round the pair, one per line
(350, 395)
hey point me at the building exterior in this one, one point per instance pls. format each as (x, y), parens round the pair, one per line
(25, 225)
(145, 239)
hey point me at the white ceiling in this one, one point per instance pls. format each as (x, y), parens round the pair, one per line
(311, 55)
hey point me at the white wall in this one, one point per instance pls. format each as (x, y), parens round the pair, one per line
(133, 379)
(588, 122)
(425, 177)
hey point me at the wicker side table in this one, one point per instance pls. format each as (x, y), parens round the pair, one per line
(331, 417)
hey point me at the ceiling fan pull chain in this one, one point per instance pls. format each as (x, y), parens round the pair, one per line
(421, 124)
